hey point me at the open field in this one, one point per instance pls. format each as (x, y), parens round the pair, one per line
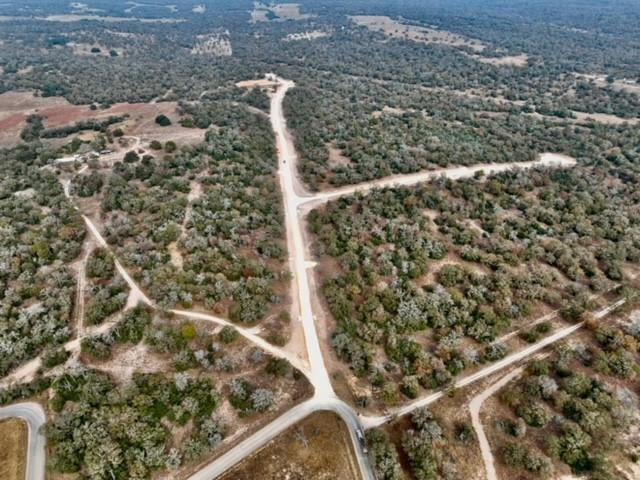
(316, 448)
(625, 85)
(58, 112)
(13, 446)
(277, 12)
(396, 29)
(86, 49)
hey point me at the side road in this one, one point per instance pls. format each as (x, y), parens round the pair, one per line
(474, 406)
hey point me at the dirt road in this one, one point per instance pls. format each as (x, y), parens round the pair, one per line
(474, 406)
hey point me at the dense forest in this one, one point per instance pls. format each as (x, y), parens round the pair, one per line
(421, 283)
(432, 275)
(41, 234)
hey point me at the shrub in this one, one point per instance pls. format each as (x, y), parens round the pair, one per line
(163, 120)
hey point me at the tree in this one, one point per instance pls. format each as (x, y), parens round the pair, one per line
(131, 157)
(163, 120)
(383, 455)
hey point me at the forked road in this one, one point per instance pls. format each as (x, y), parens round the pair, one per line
(474, 406)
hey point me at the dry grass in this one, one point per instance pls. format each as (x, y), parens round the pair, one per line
(626, 85)
(318, 448)
(15, 107)
(513, 60)
(13, 448)
(85, 49)
(284, 11)
(336, 157)
(396, 29)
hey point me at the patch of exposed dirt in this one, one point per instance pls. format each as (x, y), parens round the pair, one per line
(336, 157)
(318, 448)
(15, 107)
(512, 60)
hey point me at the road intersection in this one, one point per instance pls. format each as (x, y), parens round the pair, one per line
(298, 201)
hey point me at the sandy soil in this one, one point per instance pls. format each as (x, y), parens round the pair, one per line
(336, 157)
(128, 360)
(317, 448)
(629, 86)
(13, 447)
(582, 117)
(474, 406)
(267, 82)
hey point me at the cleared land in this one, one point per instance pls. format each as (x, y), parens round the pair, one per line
(318, 448)
(277, 12)
(512, 60)
(397, 29)
(13, 446)
(15, 107)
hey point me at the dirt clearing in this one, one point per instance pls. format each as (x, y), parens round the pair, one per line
(13, 449)
(513, 60)
(318, 448)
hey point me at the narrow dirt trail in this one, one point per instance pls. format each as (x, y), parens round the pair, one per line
(474, 407)
(80, 288)
(509, 360)
(453, 173)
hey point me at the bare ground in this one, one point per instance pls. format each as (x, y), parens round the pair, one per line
(317, 448)
(15, 107)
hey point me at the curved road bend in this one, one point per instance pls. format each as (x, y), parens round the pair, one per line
(282, 423)
(141, 296)
(33, 414)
